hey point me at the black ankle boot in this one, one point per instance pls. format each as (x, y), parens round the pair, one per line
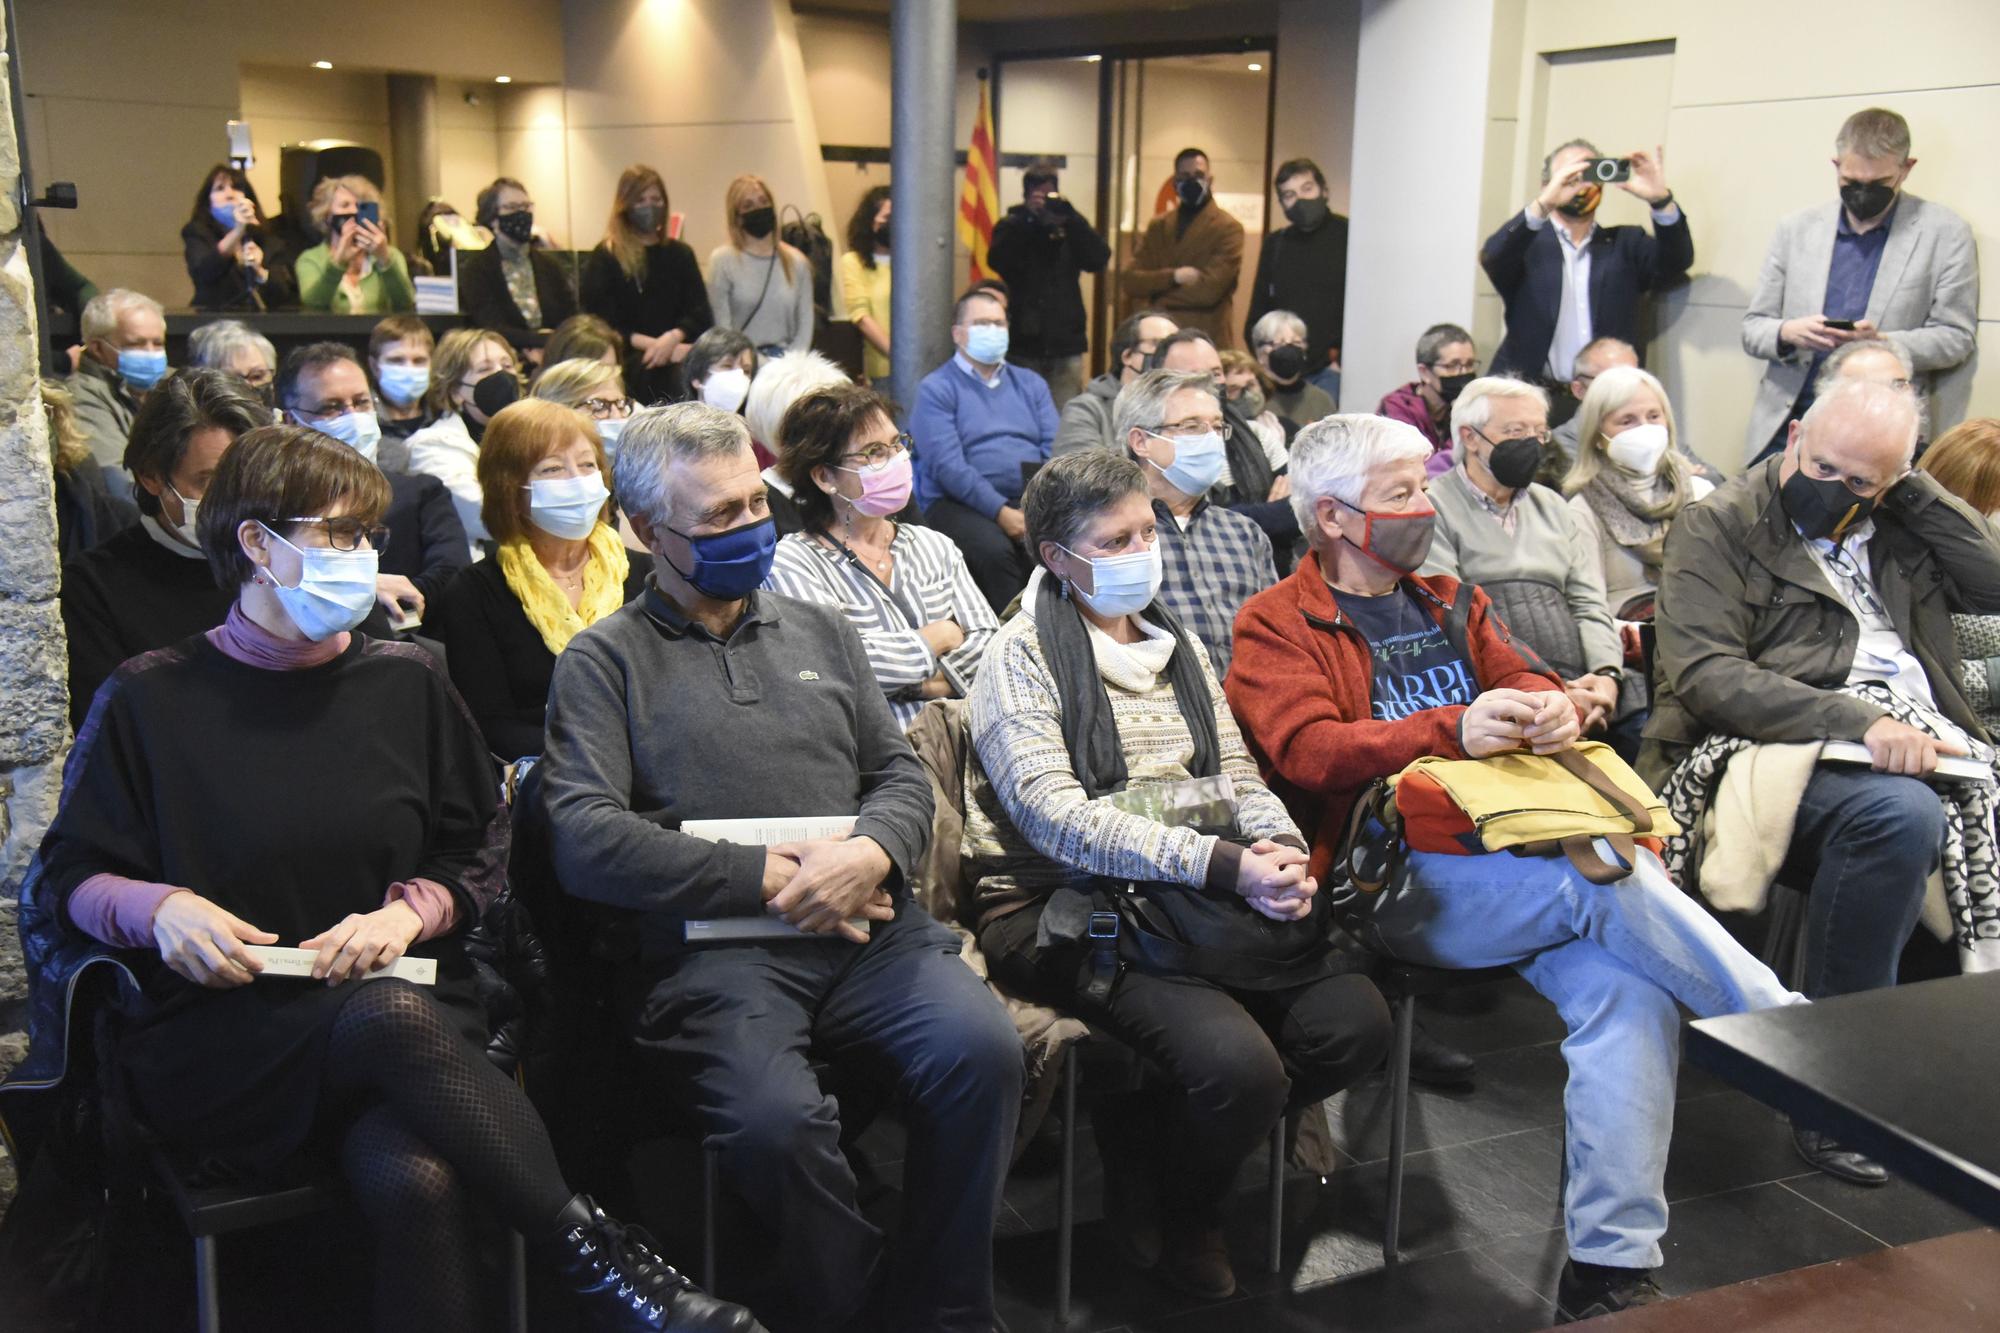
(628, 1286)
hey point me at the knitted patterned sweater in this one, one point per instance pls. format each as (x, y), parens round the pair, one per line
(1029, 828)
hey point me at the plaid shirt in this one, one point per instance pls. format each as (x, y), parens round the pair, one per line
(1214, 565)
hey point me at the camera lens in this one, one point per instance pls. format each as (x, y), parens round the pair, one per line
(1607, 169)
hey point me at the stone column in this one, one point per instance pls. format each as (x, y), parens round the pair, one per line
(923, 36)
(413, 150)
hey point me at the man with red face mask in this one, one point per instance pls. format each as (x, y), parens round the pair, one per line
(1567, 284)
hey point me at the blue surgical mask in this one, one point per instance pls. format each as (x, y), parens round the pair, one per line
(566, 507)
(335, 591)
(360, 431)
(1125, 584)
(986, 344)
(1197, 464)
(403, 385)
(608, 432)
(730, 565)
(224, 215)
(142, 367)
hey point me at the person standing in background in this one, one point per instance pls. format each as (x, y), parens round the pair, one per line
(1879, 263)
(757, 284)
(1189, 260)
(646, 286)
(864, 283)
(1303, 268)
(511, 286)
(354, 270)
(232, 258)
(1042, 248)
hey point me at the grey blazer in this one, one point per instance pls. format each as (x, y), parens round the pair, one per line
(1925, 300)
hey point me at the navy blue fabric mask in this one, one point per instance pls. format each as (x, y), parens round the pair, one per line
(729, 566)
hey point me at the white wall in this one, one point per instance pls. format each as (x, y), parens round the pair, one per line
(1316, 73)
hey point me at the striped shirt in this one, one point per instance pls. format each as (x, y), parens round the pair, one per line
(1214, 564)
(929, 581)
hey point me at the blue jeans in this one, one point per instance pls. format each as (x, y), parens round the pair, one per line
(1613, 959)
(1864, 843)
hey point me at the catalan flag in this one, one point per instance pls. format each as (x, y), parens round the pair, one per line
(979, 197)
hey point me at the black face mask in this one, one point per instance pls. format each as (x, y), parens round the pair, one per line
(646, 218)
(759, 222)
(1288, 362)
(882, 237)
(1305, 214)
(495, 392)
(1822, 506)
(516, 227)
(1514, 462)
(1451, 386)
(1193, 191)
(1867, 199)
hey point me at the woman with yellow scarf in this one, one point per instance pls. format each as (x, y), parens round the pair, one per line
(558, 568)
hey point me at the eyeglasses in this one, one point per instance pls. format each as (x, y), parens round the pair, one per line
(875, 455)
(603, 409)
(361, 402)
(1859, 590)
(1193, 426)
(346, 534)
(1457, 367)
(1538, 436)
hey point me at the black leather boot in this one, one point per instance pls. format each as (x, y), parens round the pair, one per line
(627, 1286)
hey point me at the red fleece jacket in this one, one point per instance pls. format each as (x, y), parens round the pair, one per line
(1301, 683)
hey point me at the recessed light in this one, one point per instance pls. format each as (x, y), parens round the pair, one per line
(503, 78)
(322, 64)
(1255, 67)
(1092, 60)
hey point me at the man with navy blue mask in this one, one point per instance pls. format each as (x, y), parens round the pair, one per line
(124, 356)
(323, 386)
(1216, 559)
(707, 698)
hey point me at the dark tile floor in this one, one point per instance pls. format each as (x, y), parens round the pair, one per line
(1482, 1238)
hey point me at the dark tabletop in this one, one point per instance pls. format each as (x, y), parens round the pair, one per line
(1908, 1075)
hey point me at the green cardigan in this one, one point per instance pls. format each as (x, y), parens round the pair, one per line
(384, 291)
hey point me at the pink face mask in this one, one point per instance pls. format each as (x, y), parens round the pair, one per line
(885, 488)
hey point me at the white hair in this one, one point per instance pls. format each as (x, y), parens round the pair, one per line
(1335, 456)
(216, 345)
(657, 436)
(778, 384)
(101, 315)
(1143, 402)
(1892, 409)
(1473, 409)
(1274, 325)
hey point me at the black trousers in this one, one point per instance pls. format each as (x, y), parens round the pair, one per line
(1236, 1059)
(998, 564)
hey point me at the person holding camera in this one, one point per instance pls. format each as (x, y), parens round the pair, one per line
(1041, 249)
(354, 271)
(1569, 284)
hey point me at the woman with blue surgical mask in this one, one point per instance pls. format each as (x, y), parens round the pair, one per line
(558, 565)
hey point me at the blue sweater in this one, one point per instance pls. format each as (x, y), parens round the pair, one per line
(972, 440)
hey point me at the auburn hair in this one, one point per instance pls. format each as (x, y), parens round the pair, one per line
(1965, 460)
(518, 438)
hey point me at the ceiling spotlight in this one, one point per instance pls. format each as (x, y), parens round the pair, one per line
(1255, 67)
(1092, 60)
(322, 64)
(503, 78)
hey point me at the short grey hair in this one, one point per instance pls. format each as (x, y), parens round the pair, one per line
(1069, 491)
(1335, 456)
(1274, 325)
(1830, 370)
(1142, 404)
(216, 345)
(1430, 347)
(658, 436)
(1548, 163)
(1474, 406)
(1875, 132)
(1590, 351)
(778, 384)
(1867, 398)
(104, 310)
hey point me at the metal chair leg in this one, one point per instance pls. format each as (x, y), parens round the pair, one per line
(1277, 1195)
(207, 1291)
(1066, 1188)
(517, 1283)
(1399, 1115)
(711, 1207)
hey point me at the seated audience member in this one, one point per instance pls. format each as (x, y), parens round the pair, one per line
(558, 568)
(1215, 559)
(710, 699)
(353, 270)
(1042, 247)
(1085, 420)
(980, 427)
(1095, 693)
(782, 382)
(1519, 543)
(1279, 342)
(594, 389)
(905, 588)
(149, 585)
(757, 283)
(1878, 263)
(1253, 474)
(646, 285)
(719, 368)
(1878, 361)
(1302, 267)
(232, 345)
(864, 282)
(1537, 267)
(584, 338)
(1602, 355)
(1447, 361)
(399, 368)
(512, 287)
(1966, 462)
(87, 513)
(1807, 600)
(234, 261)
(1628, 485)
(283, 845)
(473, 375)
(1354, 667)
(1189, 258)
(1245, 385)
(124, 356)
(324, 387)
